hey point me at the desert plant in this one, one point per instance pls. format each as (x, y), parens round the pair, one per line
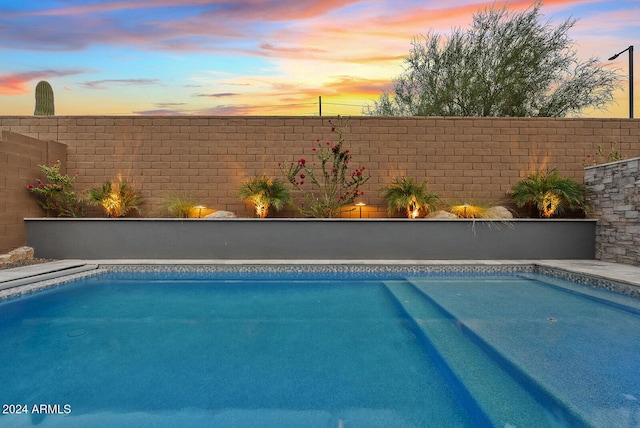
(332, 187)
(116, 198)
(58, 194)
(470, 207)
(600, 156)
(468, 210)
(405, 194)
(44, 99)
(549, 193)
(507, 63)
(264, 193)
(181, 206)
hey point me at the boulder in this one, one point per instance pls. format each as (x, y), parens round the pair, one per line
(22, 253)
(498, 212)
(221, 214)
(441, 214)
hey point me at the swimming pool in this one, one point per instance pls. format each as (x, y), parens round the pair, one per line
(387, 349)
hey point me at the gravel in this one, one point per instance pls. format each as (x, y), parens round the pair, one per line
(24, 262)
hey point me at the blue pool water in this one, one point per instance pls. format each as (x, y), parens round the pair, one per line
(431, 351)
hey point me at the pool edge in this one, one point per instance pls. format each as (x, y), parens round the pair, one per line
(623, 279)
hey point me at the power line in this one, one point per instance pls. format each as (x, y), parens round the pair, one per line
(346, 105)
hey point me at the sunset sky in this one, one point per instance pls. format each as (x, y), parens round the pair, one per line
(251, 57)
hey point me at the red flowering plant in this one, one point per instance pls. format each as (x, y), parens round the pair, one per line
(332, 187)
(57, 195)
(599, 157)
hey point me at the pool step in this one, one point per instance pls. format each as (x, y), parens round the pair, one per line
(575, 348)
(493, 397)
(15, 277)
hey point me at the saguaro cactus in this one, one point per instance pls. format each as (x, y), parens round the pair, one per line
(44, 99)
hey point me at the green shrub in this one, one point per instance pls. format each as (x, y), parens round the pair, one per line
(180, 206)
(405, 194)
(264, 193)
(548, 193)
(116, 198)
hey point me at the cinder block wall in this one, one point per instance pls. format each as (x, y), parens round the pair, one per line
(614, 199)
(464, 159)
(19, 159)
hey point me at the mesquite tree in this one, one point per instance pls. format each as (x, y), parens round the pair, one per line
(505, 64)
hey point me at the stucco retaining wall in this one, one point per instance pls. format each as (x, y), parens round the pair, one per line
(311, 239)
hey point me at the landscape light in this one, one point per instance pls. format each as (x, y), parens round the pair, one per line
(199, 208)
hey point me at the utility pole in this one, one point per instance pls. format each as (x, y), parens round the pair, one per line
(320, 105)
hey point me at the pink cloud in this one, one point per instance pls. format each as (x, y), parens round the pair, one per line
(290, 50)
(407, 21)
(273, 10)
(20, 83)
(235, 20)
(284, 10)
(379, 34)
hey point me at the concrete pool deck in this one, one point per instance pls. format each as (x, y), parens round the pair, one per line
(23, 279)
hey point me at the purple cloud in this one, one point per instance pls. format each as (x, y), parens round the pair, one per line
(102, 84)
(159, 112)
(228, 110)
(170, 104)
(160, 24)
(219, 95)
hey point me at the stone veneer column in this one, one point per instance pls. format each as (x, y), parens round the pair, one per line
(614, 200)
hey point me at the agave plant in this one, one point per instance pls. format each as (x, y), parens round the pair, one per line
(264, 193)
(116, 198)
(549, 193)
(405, 194)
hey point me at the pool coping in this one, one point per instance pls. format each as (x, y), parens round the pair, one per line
(621, 278)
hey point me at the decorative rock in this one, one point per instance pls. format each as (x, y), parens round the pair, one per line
(498, 212)
(442, 215)
(22, 253)
(221, 214)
